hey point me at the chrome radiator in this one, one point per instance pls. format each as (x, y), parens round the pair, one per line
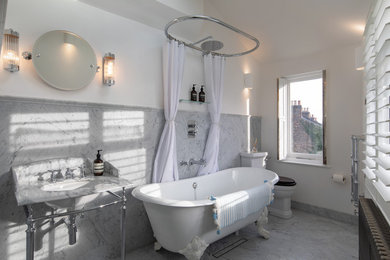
(374, 232)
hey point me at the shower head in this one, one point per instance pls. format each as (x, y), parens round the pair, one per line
(212, 45)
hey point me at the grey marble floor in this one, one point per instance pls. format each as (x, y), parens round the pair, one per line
(304, 236)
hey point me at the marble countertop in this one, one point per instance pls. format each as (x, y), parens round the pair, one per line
(31, 194)
(29, 180)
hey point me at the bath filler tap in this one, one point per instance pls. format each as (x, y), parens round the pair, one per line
(200, 162)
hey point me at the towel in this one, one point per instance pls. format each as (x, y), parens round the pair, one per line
(230, 208)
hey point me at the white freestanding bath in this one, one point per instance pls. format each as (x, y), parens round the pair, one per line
(181, 213)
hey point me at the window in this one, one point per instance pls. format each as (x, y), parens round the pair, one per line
(301, 120)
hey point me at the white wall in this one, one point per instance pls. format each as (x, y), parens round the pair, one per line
(138, 57)
(344, 101)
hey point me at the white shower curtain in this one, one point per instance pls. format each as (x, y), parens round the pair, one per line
(213, 71)
(165, 165)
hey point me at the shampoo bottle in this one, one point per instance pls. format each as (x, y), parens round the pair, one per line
(193, 93)
(202, 95)
(98, 165)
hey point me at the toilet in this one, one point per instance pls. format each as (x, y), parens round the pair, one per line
(284, 188)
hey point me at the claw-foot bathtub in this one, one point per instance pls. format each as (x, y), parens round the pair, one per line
(181, 213)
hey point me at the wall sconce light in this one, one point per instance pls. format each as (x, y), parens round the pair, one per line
(10, 51)
(248, 81)
(109, 69)
(359, 59)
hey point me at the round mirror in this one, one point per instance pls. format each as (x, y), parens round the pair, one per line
(64, 60)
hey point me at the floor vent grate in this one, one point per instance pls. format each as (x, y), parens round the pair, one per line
(229, 247)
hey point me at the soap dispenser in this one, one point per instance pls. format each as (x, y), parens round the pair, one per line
(193, 93)
(202, 95)
(98, 165)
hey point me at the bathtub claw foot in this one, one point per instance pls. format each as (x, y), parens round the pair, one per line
(157, 246)
(264, 233)
(263, 219)
(195, 249)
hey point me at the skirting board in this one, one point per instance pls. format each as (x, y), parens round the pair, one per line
(323, 212)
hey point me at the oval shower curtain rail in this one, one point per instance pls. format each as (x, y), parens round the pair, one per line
(208, 18)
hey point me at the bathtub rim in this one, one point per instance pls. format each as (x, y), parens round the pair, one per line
(188, 203)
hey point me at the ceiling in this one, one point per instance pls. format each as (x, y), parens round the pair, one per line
(289, 29)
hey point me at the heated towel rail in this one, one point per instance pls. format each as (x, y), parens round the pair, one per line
(355, 170)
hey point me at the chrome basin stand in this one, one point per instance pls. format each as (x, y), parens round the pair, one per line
(30, 222)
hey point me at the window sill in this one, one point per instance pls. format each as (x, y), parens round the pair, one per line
(306, 163)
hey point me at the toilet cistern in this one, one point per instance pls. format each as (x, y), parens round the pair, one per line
(256, 160)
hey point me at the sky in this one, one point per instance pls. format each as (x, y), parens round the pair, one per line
(309, 92)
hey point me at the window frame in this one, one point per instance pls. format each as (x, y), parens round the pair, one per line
(284, 120)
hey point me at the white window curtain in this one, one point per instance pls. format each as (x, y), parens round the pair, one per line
(165, 164)
(213, 73)
(376, 57)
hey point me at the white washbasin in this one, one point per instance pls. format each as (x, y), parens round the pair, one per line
(72, 203)
(64, 185)
(68, 203)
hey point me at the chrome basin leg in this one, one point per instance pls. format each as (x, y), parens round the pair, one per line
(72, 229)
(123, 225)
(30, 231)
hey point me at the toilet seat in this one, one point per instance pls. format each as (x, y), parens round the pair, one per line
(285, 181)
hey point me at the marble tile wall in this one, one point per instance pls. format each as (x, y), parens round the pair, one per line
(32, 129)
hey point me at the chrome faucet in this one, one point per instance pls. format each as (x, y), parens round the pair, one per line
(69, 174)
(82, 171)
(200, 162)
(52, 178)
(55, 175)
(59, 175)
